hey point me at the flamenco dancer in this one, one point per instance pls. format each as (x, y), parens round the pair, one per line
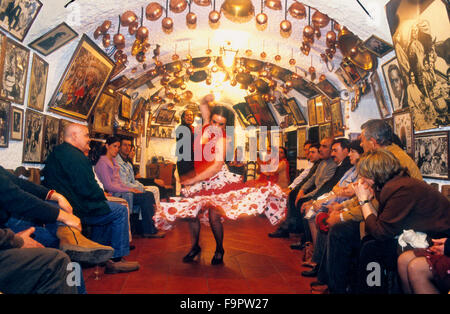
(213, 192)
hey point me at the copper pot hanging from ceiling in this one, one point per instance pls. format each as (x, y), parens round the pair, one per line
(214, 16)
(191, 18)
(320, 20)
(178, 6)
(239, 11)
(105, 26)
(297, 10)
(127, 18)
(273, 4)
(133, 27)
(153, 11)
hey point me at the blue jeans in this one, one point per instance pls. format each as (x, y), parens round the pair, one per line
(111, 229)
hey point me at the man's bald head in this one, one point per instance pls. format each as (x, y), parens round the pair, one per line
(77, 135)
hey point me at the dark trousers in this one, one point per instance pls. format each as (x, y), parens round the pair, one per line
(343, 241)
(34, 270)
(146, 201)
(293, 221)
(147, 181)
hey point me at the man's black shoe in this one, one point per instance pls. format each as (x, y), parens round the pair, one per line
(279, 234)
(311, 273)
(297, 245)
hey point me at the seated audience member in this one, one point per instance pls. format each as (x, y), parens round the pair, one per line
(426, 271)
(70, 173)
(305, 171)
(404, 203)
(185, 146)
(343, 240)
(276, 169)
(325, 170)
(107, 171)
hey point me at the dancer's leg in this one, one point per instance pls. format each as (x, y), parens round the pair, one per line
(217, 228)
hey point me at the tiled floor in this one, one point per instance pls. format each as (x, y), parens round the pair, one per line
(253, 264)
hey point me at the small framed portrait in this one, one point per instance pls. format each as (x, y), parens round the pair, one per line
(138, 105)
(38, 83)
(51, 133)
(33, 136)
(320, 110)
(260, 110)
(165, 116)
(17, 16)
(165, 132)
(328, 89)
(62, 125)
(81, 84)
(54, 39)
(396, 85)
(403, 128)
(325, 131)
(377, 46)
(305, 88)
(312, 111)
(125, 106)
(245, 115)
(5, 116)
(302, 136)
(295, 109)
(154, 131)
(16, 123)
(379, 95)
(431, 151)
(337, 121)
(344, 78)
(104, 113)
(14, 71)
(351, 71)
(279, 107)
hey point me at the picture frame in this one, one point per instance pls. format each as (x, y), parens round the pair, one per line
(325, 131)
(33, 136)
(125, 106)
(16, 122)
(260, 110)
(137, 109)
(327, 89)
(403, 128)
(377, 46)
(120, 82)
(379, 95)
(118, 68)
(350, 69)
(302, 136)
(104, 113)
(304, 87)
(245, 115)
(396, 85)
(17, 19)
(165, 116)
(5, 120)
(337, 120)
(296, 111)
(14, 71)
(344, 78)
(51, 133)
(431, 151)
(54, 39)
(83, 81)
(38, 83)
(312, 111)
(320, 110)
(62, 124)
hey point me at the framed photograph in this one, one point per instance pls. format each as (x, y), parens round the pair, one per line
(165, 116)
(16, 123)
(5, 116)
(396, 85)
(379, 95)
(302, 136)
(377, 46)
(312, 111)
(104, 113)
(325, 131)
(62, 124)
(165, 131)
(14, 71)
(154, 131)
(81, 85)
(279, 107)
(403, 128)
(33, 136)
(51, 133)
(337, 121)
(38, 83)
(137, 108)
(295, 109)
(431, 151)
(125, 106)
(260, 110)
(54, 39)
(245, 115)
(351, 71)
(304, 87)
(328, 89)
(344, 78)
(420, 35)
(320, 110)
(17, 16)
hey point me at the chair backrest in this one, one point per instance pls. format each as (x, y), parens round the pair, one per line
(166, 172)
(152, 171)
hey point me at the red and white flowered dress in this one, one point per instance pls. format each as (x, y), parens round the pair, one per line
(227, 193)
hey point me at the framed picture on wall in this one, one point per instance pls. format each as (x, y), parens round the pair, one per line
(33, 136)
(377, 46)
(16, 17)
(38, 83)
(320, 110)
(296, 111)
(379, 95)
(403, 128)
(302, 136)
(351, 71)
(16, 123)
(51, 133)
(431, 151)
(165, 116)
(325, 131)
(53, 39)
(260, 110)
(104, 112)
(337, 121)
(83, 80)
(396, 85)
(312, 111)
(14, 71)
(328, 89)
(125, 106)
(5, 117)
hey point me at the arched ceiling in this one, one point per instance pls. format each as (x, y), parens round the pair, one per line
(86, 15)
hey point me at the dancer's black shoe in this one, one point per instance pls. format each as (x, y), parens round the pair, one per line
(192, 254)
(217, 258)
